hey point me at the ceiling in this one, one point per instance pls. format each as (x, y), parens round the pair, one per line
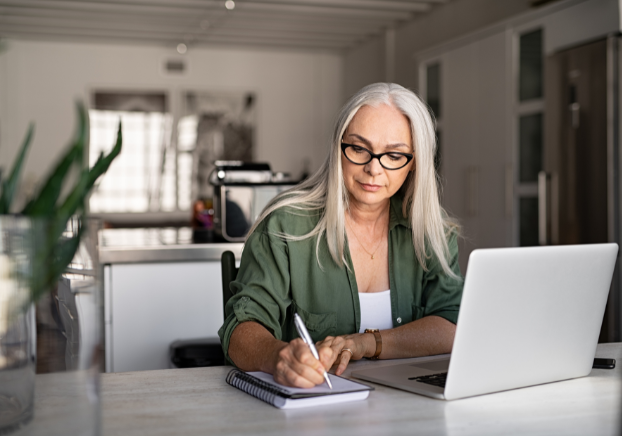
(334, 25)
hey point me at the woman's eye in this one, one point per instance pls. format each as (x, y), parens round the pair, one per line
(395, 157)
(359, 149)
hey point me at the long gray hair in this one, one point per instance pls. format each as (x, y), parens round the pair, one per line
(326, 192)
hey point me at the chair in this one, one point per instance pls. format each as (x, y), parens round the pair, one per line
(229, 273)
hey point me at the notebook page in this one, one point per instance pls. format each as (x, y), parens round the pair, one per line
(339, 385)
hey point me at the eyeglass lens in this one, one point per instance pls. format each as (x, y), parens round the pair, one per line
(360, 155)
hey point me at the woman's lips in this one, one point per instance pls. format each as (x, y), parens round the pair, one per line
(370, 188)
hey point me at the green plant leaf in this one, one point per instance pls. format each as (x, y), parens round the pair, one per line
(103, 163)
(73, 202)
(45, 203)
(76, 199)
(10, 184)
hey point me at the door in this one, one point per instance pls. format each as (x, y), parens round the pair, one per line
(577, 190)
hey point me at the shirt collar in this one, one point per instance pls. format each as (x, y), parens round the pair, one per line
(395, 212)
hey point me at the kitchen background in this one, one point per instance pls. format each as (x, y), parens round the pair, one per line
(525, 93)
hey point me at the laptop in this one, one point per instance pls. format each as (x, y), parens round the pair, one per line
(528, 316)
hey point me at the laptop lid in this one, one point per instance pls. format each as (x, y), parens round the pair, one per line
(529, 316)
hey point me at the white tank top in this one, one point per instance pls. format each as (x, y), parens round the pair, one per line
(375, 310)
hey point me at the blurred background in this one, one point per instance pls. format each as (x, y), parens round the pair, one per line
(525, 92)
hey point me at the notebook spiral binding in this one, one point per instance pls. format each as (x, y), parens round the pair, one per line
(255, 387)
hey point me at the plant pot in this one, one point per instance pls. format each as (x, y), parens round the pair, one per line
(66, 322)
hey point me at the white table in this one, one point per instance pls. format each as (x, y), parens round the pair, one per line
(198, 401)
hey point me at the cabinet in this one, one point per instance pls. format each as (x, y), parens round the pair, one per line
(150, 305)
(474, 146)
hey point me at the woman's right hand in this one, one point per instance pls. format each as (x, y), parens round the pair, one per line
(295, 366)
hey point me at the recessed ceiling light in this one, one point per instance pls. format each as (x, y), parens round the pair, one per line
(230, 5)
(182, 48)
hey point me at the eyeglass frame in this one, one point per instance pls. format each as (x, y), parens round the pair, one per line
(373, 156)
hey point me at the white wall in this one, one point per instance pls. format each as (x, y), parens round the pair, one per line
(298, 93)
(364, 65)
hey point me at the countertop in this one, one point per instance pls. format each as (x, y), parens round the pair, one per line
(198, 401)
(159, 245)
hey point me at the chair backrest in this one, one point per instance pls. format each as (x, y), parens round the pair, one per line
(229, 273)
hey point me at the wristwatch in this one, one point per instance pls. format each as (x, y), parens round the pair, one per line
(378, 337)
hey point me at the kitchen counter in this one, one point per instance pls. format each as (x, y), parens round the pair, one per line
(171, 244)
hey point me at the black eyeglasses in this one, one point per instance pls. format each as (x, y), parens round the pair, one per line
(391, 160)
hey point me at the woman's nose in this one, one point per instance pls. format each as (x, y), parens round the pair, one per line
(373, 167)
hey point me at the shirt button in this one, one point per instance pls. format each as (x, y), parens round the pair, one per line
(399, 320)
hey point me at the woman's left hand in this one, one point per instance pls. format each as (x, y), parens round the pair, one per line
(333, 350)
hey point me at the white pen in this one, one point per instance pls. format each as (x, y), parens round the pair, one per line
(304, 334)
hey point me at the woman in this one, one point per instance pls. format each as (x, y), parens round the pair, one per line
(363, 245)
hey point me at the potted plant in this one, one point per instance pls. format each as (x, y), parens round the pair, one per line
(37, 244)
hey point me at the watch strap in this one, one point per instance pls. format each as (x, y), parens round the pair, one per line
(378, 338)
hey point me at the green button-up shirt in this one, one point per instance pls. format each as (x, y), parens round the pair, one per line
(280, 277)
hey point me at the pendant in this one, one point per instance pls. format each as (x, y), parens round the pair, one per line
(372, 257)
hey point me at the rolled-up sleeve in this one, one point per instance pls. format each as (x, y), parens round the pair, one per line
(261, 289)
(441, 293)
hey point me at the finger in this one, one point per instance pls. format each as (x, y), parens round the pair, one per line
(327, 356)
(296, 356)
(304, 361)
(288, 377)
(343, 362)
(325, 342)
(302, 353)
(308, 367)
(337, 346)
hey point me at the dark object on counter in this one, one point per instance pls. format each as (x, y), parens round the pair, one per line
(202, 215)
(202, 236)
(602, 363)
(195, 353)
(237, 224)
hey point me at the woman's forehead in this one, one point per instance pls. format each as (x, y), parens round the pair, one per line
(383, 123)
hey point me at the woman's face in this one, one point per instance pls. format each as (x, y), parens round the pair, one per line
(379, 129)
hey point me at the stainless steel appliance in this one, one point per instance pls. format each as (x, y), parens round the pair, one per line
(241, 192)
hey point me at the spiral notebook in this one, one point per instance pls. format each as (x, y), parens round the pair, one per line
(262, 385)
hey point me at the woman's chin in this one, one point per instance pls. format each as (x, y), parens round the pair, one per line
(370, 198)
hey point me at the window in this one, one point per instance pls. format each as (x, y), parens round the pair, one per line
(433, 99)
(164, 167)
(530, 134)
(530, 66)
(433, 88)
(530, 138)
(140, 178)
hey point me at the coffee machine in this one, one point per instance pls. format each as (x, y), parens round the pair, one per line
(241, 192)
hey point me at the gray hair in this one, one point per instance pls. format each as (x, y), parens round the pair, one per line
(326, 191)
